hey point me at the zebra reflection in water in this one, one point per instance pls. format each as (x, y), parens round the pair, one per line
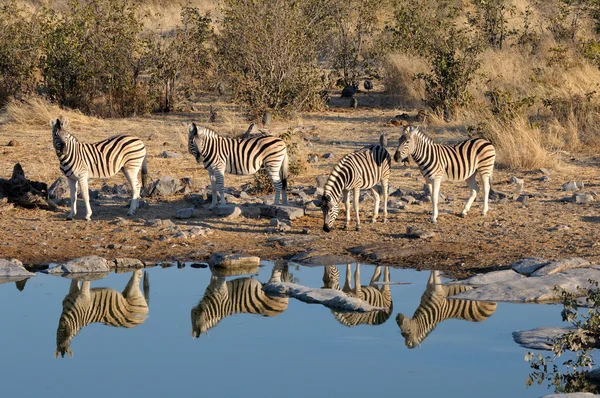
(377, 297)
(238, 296)
(436, 307)
(83, 306)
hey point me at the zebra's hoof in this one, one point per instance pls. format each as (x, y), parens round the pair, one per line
(357, 228)
(373, 221)
(69, 218)
(463, 214)
(131, 213)
(345, 227)
(385, 220)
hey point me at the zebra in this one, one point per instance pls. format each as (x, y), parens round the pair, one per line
(81, 161)
(83, 306)
(458, 162)
(242, 295)
(239, 156)
(377, 297)
(436, 307)
(362, 169)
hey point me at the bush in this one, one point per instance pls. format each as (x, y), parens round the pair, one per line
(92, 56)
(269, 51)
(582, 341)
(19, 51)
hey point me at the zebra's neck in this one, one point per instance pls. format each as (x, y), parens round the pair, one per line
(423, 146)
(338, 181)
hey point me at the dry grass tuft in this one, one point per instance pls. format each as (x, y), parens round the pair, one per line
(39, 112)
(398, 78)
(519, 145)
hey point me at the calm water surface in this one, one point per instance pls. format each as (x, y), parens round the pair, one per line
(302, 352)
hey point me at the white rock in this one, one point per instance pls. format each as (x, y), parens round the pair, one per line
(13, 268)
(561, 265)
(490, 278)
(82, 265)
(540, 338)
(528, 265)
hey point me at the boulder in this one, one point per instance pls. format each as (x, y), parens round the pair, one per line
(490, 278)
(561, 265)
(12, 268)
(540, 338)
(59, 189)
(330, 298)
(528, 265)
(228, 211)
(87, 264)
(382, 252)
(533, 289)
(228, 260)
(128, 263)
(321, 258)
(185, 213)
(165, 186)
(199, 231)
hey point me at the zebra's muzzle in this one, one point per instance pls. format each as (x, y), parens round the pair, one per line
(326, 228)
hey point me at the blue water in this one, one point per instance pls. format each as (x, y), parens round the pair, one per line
(303, 352)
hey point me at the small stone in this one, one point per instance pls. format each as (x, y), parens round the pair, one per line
(583, 198)
(227, 211)
(128, 263)
(233, 260)
(573, 186)
(561, 227)
(199, 231)
(245, 195)
(169, 154)
(328, 155)
(185, 213)
(545, 172)
(13, 143)
(408, 199)
(544, 178)
(180, 235)
(199, 265)
(523, 199)
(414, 232)
(313, 159)
(274, 222)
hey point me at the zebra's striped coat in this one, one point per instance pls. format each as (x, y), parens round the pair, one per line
(243, 156)
(83, 306)
(82, 161)
(242, 295)
(436, 307)
(362, 169)
(460, 162)
(377, 297)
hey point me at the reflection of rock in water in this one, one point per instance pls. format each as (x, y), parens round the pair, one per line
(377, 297)
(83, 306)
(21, 284)
(435, 307)
(242, 295)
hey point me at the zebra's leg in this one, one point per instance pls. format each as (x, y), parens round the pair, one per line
(131, 177)
(472, 184)
(132, 289)
(486, 193)
(347, 204)
(276, 180)
(384, 186)
(377, 200)
(220, 180)
(83, 184)
(213, 187)
(347, 288)
(357, 286)
(73, 191)
(356, 204)
(435, 195)
(376, 275)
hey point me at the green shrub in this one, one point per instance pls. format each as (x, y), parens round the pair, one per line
(269, 51)
(581, 341)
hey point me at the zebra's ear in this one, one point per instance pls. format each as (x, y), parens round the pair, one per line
(55, 124)
(192, 129)
(63, 122)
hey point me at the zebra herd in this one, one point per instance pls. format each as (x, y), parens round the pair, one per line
(84, 305)
(363, 169)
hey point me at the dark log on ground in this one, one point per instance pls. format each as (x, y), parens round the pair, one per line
(19, 191)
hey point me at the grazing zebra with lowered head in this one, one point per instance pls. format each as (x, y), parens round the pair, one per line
(239, 156)
(81, 161)
(377, 297)
(238, 296)
(436, 307)
(83, 306)
(362, 169)
(459, 162)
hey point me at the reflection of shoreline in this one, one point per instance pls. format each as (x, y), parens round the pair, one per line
(224, 298)
(435, 307)
(83, 305)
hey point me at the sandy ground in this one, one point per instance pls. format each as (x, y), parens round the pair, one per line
(460, 246)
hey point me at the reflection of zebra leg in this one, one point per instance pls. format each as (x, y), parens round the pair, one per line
(331, 277)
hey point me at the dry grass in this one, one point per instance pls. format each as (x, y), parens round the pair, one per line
(398, 78)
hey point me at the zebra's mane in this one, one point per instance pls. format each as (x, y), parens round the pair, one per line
(420, 134)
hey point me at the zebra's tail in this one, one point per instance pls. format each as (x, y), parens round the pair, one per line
(145, 172)
(283, 172)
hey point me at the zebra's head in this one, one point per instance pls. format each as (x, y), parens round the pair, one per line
(60, 137)
(330, 209)
(63, 339)
(196, 141)
(406, 144)
(407, 330)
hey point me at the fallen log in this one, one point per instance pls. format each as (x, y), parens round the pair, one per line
(19, 191)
